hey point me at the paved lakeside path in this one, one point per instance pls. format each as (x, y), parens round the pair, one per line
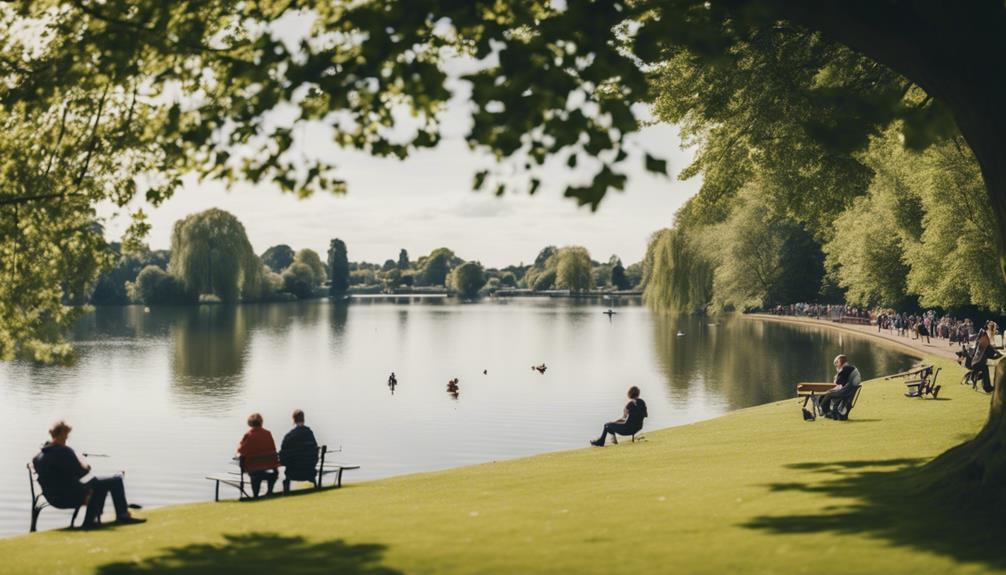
(919, 348)
(755, 491)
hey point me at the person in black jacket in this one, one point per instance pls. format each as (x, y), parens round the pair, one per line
(298, 453)
(59, 473)
(631, 422)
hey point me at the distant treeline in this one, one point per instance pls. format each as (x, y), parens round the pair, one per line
(211, 259)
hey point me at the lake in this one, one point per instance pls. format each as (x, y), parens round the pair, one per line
(165, 393)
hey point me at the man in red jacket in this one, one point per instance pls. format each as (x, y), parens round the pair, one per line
(257, 451)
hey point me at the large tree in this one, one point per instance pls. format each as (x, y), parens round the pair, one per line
(467, 279)
(278, 258)
(572, 269)
(554, 79)
(210, 254)
(338, 267)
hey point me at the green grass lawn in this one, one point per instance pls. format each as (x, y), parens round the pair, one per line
(755, 491)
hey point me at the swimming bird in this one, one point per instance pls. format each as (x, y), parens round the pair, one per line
(680, 333)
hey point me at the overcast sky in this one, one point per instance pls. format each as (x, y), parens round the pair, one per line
(426, 201)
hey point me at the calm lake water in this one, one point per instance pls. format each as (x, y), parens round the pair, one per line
(165, 393)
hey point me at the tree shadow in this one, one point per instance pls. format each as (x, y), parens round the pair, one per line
(895, 500)
(261, 553)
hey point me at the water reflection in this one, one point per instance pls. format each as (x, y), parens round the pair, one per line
(747, 362)
(209, 347)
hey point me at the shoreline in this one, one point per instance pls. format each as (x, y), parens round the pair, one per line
(914, 348)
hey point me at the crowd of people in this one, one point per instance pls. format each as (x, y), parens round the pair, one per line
(978, 342)
(926, 325)
(821, 310)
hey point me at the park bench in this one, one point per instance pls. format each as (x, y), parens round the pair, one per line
(239, 480)
(39, 502)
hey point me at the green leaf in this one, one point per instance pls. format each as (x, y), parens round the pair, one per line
(656, 165)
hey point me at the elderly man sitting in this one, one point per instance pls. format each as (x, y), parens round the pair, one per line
(847, 381)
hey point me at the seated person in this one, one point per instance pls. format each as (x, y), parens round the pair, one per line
(847, 380)
(257, 451)
(298, 453)
(59, 474)
(631, 422)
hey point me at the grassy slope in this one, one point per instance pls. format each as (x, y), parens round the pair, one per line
(756, 491)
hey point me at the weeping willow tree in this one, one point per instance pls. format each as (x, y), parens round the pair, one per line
(678, 278)
(211, 254)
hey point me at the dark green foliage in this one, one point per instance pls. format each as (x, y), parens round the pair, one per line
(154, 286)
(618, 277)
(467, 279)
(433, 269)
(111, 286)
(544, 280)
(338, 267)
(403, 260)
(278, 258)
(299, 280)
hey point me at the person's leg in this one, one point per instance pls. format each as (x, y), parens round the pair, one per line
(96, 504)
(986, 380)
(824, 403)
(604, 435)
(271, 476)
(117, 490)
(256, 482)
(617, 429)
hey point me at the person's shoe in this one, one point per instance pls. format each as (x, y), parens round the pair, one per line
(130, 520)
(134, 506)
(936, 391)
(90, 526)
(596, 443)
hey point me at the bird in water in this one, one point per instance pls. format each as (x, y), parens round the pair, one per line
(680, 333)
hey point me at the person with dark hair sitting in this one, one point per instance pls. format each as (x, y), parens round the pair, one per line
(299, 452)
(59, 473)
(257, 451)
(847, 381)
(631, 422)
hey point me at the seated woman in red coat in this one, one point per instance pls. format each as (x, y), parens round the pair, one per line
(257, 451)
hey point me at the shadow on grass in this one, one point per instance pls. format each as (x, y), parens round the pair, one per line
(890, 500)
(261, 553)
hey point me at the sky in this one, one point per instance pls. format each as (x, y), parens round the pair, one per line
(426, 201)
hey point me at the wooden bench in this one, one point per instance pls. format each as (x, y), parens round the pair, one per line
(237, 479)
(38, 501)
